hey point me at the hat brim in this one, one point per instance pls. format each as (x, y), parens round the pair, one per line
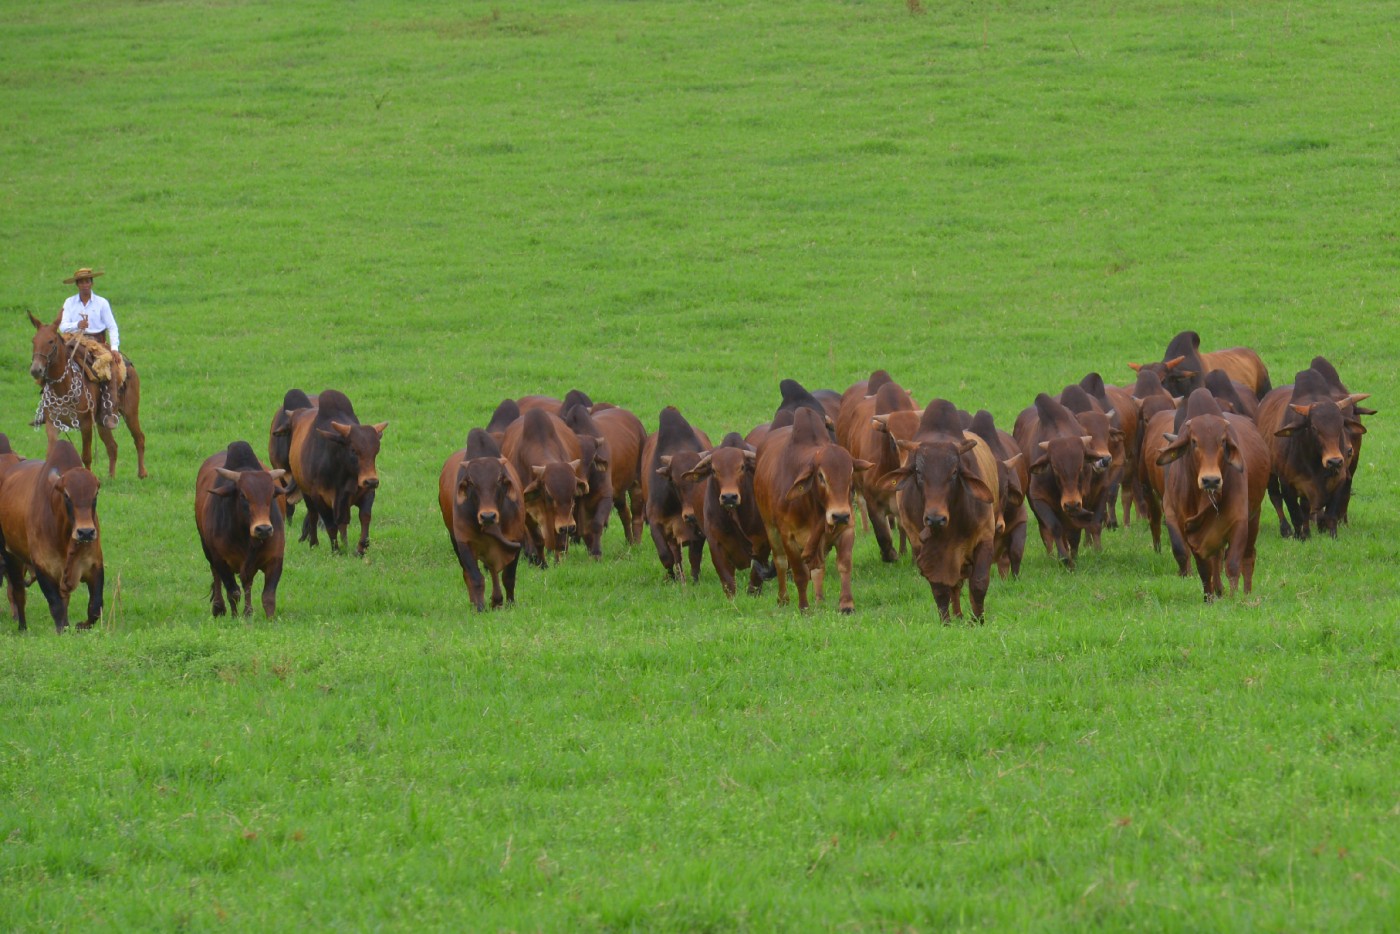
(72, 279)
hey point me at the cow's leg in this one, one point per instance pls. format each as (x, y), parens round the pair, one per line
(1049, 525)
(598, 524)
(624, 516)
(14, 575)
(340, 521)
(801, 574)
(980, 580)
(1179, 550)
(845, 546)
(1298, 511)
(58, 606)
(366, 511)
(943, 599)
(496, 598)
(724, 568)
(883, 535)
(1125, 493)
(309, 522)
(508, 579)
(1276, 498)
(272, 574)
(1016, 548)
(1247, 562)
(781, 566)
(663, 549)
(95, 582)
(696, 552)
(471, 574)
(1111, 508)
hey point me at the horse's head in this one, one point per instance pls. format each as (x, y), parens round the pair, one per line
(50, 353)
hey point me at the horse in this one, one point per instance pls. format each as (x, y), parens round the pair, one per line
(69, 397)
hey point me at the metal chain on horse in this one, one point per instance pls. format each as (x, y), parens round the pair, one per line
(63, 412)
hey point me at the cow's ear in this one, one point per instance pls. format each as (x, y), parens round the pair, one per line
(282, 424)
(978, 488)
(703, 468)
(802, 484)
(335, 436)
(534, 488)
(1355, 425)
(893, 480)
(665, 468)
(1175, 448)
(861, 466)
(1040, 464)
(1173, 363)
(1116, 434)
(750, 459)
(463, 490)
(1233, 454)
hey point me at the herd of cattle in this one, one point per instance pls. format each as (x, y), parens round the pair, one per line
(1194, 444)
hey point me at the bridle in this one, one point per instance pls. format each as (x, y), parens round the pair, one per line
(62, 411)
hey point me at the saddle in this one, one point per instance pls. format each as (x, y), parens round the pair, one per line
(97, 360)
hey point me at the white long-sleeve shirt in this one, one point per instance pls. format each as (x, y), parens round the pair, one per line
(99, 315)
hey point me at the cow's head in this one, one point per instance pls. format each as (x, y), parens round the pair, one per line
(485, 491)
(1326, 432)
(1068, 461)
(363, 444)
(730, 470)
(1208, 446)
(255, 494)
(551, 492)
(677, 469)
(829, 478)
(74, 495)
(1103, 439)
(597, 456)
(941, 481)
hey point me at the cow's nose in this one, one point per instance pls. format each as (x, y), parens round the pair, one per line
(1103, 462)
(262, 530)
(838, 518)
(691, 518)
(1210, 483)
(1334, 463)
(86, 535)
(486, 518)
(566, 529)
(1071, 505)
(372, 483)
(729, 500)
(935, 520)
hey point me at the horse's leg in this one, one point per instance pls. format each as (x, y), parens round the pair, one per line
(86, 427)
(109, 441)
(131, 411)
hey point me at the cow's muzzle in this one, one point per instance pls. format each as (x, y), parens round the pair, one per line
(485, 519)
(729, 500)
(85, 535)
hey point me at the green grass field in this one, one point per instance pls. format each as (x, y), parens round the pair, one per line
(433, 206)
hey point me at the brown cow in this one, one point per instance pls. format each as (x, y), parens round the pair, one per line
(675, 505)
(1183, 367)
(1062, 465)
(803, 482)
(1355, 432)
(1152, 479)
(1107, 456)
(733, 528)
(332, 459)
(948, 505)
(1217, 470)
(279, 446)
(846, 419)
(501, 419)
(548, 458)
(593, 508)
(625, 438)
(1309, 436)
(48, 523)
(1123, 412)
(870, 440)
(483, 507)
(1013, 478)
(238, 510)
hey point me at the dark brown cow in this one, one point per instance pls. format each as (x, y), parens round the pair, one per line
(332, 459)
(483, 507)
(279, 445)
(870, 440)
(846, 419)
(1013, 478)
(1355, 432)
(948, 505)
(803, 482)
(593, 508)
(1232, 395)
(1107, 457)
(545, 403)
(1123, 412)
(48, 523)
(1062, 464)
(1309, 436)
(1149, 397)
(1183, 367)
(238, 510)
(675, 505)
(625, 438)
(1217, 470)
(733, 528)
(548, 458)
(1152, 479)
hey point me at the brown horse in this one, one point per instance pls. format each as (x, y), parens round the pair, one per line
(69, 397)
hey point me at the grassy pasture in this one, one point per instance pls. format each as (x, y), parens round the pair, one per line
(432, 206)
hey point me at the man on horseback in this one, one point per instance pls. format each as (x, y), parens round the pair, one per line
(91, 315)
